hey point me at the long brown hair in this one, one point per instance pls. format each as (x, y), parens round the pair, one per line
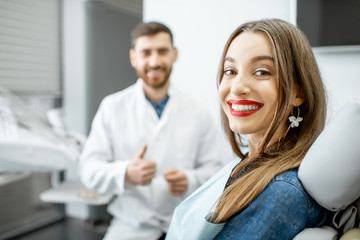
(295, 67)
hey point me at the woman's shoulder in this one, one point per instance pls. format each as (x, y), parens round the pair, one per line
(289, 177)
(287, 187)
(280, 211)
(288, 183)
(292, 199)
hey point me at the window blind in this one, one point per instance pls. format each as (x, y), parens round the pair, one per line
(30, 46)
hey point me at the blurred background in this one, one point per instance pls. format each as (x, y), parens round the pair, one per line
(59, 58)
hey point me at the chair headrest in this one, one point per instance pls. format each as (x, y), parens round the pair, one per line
(330, 171)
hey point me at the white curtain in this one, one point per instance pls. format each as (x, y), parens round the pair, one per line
(30, 59)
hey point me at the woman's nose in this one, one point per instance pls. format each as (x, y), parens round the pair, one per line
(240, 85)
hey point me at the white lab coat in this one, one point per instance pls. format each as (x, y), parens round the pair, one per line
(184, 138)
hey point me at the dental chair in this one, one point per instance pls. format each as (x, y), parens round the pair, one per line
(30, 142)
(330, 172)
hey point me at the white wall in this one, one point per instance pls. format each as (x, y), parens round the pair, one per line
(74, 65)
(339, 67)
(201, 28)
(74, 82)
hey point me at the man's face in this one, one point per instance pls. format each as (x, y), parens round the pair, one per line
(152, 58)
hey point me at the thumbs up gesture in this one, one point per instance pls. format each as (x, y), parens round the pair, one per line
(139, 171)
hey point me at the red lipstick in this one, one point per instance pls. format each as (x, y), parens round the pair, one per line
(240, 110)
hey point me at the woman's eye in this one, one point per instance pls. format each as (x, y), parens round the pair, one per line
(262, 73)
(229, 72)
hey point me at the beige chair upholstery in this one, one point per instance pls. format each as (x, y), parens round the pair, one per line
(353, 234)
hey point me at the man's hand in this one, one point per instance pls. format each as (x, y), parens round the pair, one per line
(139, 171)
(177, 182)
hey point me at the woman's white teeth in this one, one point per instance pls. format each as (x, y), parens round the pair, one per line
(237, 107)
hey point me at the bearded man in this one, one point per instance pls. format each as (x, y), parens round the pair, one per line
(150, 144)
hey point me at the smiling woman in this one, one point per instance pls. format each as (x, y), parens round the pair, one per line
(249, 82)
(268, 79)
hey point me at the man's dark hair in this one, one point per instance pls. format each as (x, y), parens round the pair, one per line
(149, 29)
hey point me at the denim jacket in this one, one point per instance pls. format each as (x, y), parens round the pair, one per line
(281, 211)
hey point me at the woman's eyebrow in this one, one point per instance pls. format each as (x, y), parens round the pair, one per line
(229, 59)
(254, 59)
(263, 57)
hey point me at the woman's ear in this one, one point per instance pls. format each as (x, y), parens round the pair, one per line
(297, 101)
(298, 97)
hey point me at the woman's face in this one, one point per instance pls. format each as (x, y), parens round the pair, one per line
(248, 90)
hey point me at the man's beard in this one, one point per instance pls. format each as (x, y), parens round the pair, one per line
(154, 84)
